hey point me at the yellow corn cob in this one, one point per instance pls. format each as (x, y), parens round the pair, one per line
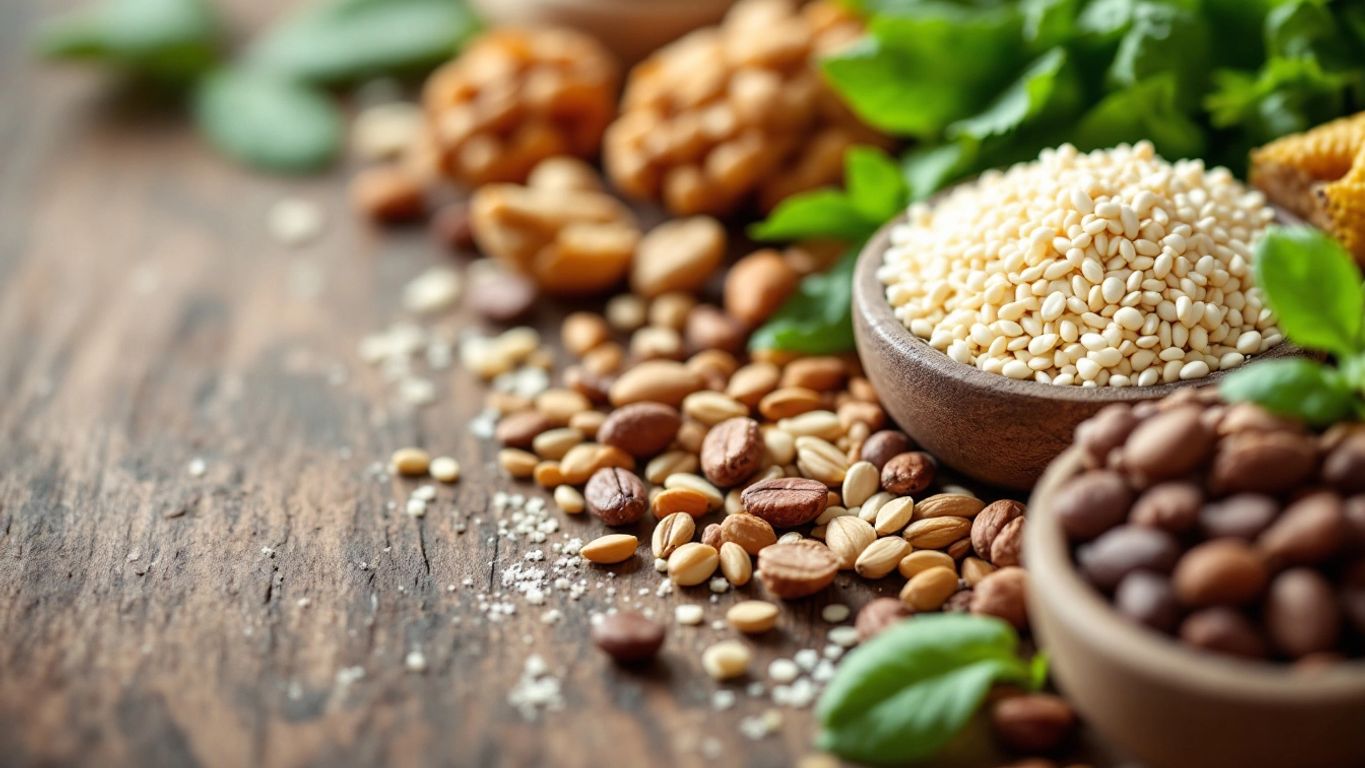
(1320, 176)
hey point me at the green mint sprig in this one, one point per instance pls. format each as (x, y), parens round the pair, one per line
(904, 694)
(1314, 287)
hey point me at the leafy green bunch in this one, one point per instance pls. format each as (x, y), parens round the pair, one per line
(985, 83)
(268, 108)
(1316, 293)
(904, 694)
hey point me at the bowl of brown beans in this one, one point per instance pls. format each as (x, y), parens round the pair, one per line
(1198, 581)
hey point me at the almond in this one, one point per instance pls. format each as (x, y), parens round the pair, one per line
(847, 537)
(938, 532)
(923, 560)
(751, 383)
(881, 557)
(711, 408)
(659, 381)
(929, 589)
(948, 505)
(894, 515)
(787, 402)
(756, 286)
(688, 501)
(735, 564)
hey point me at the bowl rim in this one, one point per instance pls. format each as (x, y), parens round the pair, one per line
(1053, 579)
(869, 298)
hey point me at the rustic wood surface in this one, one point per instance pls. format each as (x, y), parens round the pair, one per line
(152, 617)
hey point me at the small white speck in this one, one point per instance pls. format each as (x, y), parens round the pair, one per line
(197, 467)
(835, 613)
(689, 614)
(415, 661)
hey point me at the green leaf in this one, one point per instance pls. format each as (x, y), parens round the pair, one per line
(818, 318)
(908, 691)
(1286, 96)
(817, 214)
(876, 188)
(929, 169)
(1313, 286)
(343, 40)
(1049, 23)
(166, 39)
(1146, 110)
(927, 64)
(1164, 39)
(268, 122)
(1296, 387)
(1306, 29)
(1047, 85)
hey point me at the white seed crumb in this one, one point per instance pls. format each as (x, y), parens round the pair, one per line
(689, 614)
(835, 613)
(415, 661)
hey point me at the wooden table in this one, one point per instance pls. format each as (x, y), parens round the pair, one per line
(260, 612)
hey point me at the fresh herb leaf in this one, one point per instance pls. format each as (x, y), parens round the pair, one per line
(1146, 110)
(818, 318)
(344, 40)
(924, 65)
(1301, 29)
(904, 694)
(1300, 388)
(1314, 288)
(1286, 96)
(267, 121)
(1049, 22)
(929, 169)
(1164, 40)
(1048, 85)
(876, 192)
(173, 40)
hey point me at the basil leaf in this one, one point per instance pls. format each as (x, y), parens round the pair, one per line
(908, 691)
(268, 122)
(876, 188)
(1164, 39)
(1314, 288)
(1303, 389)
(1049, 22)
(343, 40)
(1146, 110)
(818, 318)
(167, 39)
(1047, 85)
(1306, 29)
(816, 214)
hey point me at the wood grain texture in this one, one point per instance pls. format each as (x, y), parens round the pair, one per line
(154, 618)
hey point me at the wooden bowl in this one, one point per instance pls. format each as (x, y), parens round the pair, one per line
(995, 429)
(1169, 705)
(632, 29)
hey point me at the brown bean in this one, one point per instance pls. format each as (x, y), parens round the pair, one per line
(1262, 462)
(909, 473)
(504, 297)
(1172, 507)
(616, 496)
(987, 525)
(1148, 598)
(879, 614)
(518, 430)
(1126, 549)
(628, 636)
(1301, 613)
(1035, 722)
(710, 328)
(756, 286)
(1308, 532)
(786, 502)
(1168, 445)
(1344, 467)
(1104, 432)
(732, 451)
(1242, 517)
(1003, 594)
(1223, 630)
(1092, 503)
(641, 429)
(1220, 572)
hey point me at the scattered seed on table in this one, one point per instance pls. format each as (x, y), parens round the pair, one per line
(445, 469)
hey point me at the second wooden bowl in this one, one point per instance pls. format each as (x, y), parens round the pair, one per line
(997, 430)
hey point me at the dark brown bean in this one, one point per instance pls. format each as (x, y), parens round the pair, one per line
(1092, 503)
(1301, 613)
(1249, 417)
(1308, 532)
(1168, 445)
(1223, 630)
(1172, 507)
(1104, 432)
(1344, 467)
(1262, 462)
(641, 429)
(878, 615)
(518, 430)
(1034, 722)
(881, 447)
(504, 297)
(1126, 549)
(786, 502)
(1003, 594)
(732, 451)
(628, 636)
(1354, 513)
(1149, 599)
(616, 496)
(1242, 517)
(1220, 572)
(907, 474)
(1353, 595)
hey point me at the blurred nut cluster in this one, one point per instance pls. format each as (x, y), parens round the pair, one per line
(515, 97)
(737, 113)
